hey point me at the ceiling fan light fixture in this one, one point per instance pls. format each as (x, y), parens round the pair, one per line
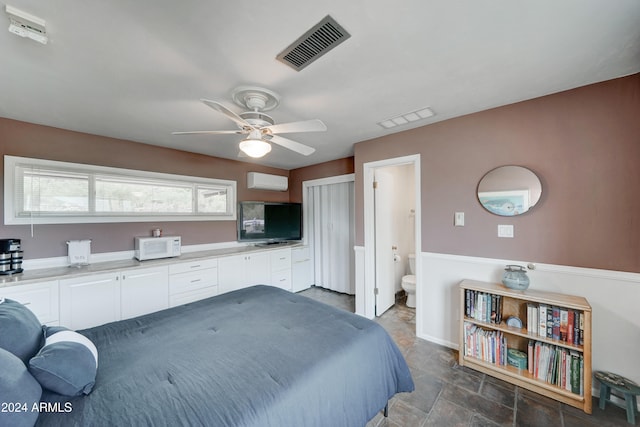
(255, 148)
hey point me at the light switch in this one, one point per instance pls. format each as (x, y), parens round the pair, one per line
(459, 219)
(505, 230)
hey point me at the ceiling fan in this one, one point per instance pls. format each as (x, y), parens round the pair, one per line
(260, 128)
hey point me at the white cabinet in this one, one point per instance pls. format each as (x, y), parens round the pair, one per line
(301, 269)
(143, 291)
(192, 281)
(240, 271)
(40, 298)
(93, 300)
(89, 300)
(280, 263)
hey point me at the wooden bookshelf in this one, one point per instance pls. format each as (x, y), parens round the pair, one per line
(514, 303)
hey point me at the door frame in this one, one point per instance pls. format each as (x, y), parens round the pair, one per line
(338, 179)
(369, 231)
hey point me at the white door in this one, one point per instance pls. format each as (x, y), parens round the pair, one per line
(383, 212)
(90, 301)
(257, 269)
(331, 235)
(144, 291)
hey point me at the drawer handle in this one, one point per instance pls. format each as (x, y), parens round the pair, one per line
(283, 280)
(283, 258)
(195, 266)
(195, 280)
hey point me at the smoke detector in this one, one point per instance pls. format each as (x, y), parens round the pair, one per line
(25, 25)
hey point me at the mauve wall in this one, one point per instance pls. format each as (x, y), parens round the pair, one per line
(321, 170)
(30, 140)
(584, 144)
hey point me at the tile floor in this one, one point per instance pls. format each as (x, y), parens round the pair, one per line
(450, 395)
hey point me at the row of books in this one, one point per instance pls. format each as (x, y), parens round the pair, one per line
(483, 306)
(556, 365)
(554, 322)
(489, 346)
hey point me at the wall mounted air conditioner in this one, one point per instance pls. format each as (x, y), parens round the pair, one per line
(264, 181)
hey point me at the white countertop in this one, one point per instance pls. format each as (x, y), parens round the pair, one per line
(56, 273)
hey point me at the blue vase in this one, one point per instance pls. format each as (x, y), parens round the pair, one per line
(515, 277)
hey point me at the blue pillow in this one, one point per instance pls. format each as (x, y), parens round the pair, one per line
(17, 388)
(20, 330)
(67, 363)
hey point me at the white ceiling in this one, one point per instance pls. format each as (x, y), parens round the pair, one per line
(136, 69)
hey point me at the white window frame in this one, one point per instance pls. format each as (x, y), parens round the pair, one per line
(11, 190)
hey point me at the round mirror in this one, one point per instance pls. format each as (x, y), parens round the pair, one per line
(509, 190)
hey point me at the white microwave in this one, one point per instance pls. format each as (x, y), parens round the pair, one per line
(157, 247)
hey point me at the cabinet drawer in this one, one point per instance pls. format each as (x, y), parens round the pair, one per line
(185, 267)
(281, 260)
(281, 279)
(192, 281)
(300, 254)
(40, 298)
(191, 296)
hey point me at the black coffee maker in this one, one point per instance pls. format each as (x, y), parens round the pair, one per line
(10, 256)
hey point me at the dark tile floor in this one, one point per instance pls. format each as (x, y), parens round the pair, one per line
(450, 395)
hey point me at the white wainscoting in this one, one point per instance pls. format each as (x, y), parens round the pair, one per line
(614, 297)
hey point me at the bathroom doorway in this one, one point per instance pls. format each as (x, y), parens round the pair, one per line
(392, 229)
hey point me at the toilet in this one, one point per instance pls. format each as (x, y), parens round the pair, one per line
(409, 282)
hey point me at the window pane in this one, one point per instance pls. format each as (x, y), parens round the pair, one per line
(53, 192)
(128, 196)
(212, 200)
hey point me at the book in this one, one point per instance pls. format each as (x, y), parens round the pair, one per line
(575, 373)
(563, 327)
(542, 315)
(494, 309)
(530, 361)
(570, 326)
(549, 321)
(581, 323)
(555, 328)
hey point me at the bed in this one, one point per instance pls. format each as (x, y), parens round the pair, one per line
(259, 356)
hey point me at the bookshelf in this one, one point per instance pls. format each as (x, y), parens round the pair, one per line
(485, 340)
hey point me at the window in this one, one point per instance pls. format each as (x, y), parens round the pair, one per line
(48, 192)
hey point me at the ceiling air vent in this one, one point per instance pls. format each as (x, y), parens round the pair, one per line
(320, 39)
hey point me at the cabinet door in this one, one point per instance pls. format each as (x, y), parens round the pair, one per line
(40, 298)
(144, 291)
(257, 269)
(90, 300)
(301, 269)
(231, 273)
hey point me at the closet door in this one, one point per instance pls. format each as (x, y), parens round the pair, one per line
(332, 235)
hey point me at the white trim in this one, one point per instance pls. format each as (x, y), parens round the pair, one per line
(369, 233)
(338, 179)
(11, 162)
(613, 297)
(552, 268)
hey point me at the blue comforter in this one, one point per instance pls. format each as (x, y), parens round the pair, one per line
(255, 357)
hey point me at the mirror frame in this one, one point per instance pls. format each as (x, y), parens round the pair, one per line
(507, 197)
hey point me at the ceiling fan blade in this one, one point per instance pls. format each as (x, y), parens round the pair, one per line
(303, 126)
(230, 114)
(211, 132)
(305, 150)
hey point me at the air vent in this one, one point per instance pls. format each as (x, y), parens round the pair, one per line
(320, 39)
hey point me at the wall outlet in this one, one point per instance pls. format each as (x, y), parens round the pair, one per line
(458, 219)
(505, 230)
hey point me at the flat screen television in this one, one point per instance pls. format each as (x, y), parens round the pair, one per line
(269, 222)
